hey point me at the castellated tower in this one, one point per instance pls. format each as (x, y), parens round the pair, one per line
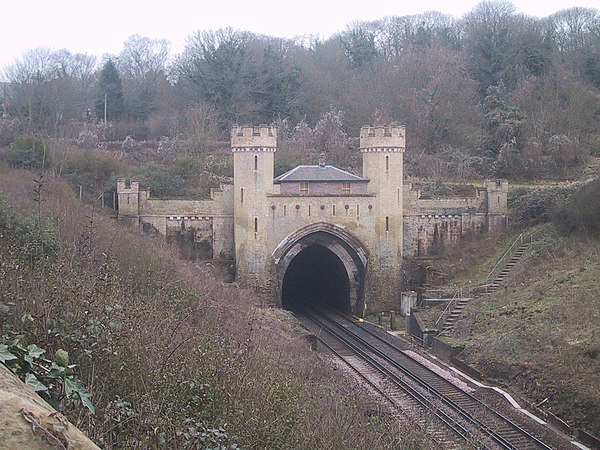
(253, 159)
(129, 201)
(382, 149)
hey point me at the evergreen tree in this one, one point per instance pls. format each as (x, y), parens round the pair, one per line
(110, 92)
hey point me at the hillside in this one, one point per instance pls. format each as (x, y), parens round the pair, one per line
(539, 336)
(171, 357)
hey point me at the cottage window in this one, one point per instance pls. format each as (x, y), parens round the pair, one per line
(346, 188)
(303, 188)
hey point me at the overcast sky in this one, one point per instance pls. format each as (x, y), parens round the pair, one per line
(101, 26)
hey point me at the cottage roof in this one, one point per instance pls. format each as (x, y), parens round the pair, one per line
(318, 173)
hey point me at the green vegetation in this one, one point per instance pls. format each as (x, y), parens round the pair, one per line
(539, 335)
(28, 152)
(170, 358)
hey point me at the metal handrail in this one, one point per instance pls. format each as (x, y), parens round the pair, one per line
(503, 258)
(471, 292)
(520, 240)
(449, 307)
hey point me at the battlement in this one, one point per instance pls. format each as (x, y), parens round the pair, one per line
(382, 138)
(253, 137)
(496, 185)
(127, 188)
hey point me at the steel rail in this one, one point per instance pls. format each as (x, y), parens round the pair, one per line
(435, 384)
(450, 423)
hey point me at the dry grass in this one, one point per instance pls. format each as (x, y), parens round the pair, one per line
(170, 355)
(540, 335)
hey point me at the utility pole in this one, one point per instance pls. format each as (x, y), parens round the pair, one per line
(4, 101)
(105, 106)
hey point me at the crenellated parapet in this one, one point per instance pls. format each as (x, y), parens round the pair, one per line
(128, 188)
(253, 138)
(380, 138)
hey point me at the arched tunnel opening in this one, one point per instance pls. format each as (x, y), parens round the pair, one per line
(316, 278)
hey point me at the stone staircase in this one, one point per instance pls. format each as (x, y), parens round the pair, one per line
(497, 281)
(494, 281)
(454, 313)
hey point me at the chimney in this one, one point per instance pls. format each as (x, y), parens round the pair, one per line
(322, 159)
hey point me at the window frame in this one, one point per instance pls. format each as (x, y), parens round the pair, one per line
(303, 188)
(346, 188)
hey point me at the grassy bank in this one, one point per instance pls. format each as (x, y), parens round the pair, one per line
(540, 335)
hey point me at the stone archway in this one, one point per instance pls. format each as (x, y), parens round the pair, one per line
(322, 259)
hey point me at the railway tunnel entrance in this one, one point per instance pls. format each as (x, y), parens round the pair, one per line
(316, 278)
(321, 266)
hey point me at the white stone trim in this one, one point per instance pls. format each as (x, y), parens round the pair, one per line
(253, 149)
(382, 149)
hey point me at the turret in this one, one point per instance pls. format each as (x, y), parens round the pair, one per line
(253, 150)
(128, 198)
(383, 148)
(497, 196)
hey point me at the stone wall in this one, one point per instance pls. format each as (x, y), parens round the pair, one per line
(429, 224)
(207, 225)
(249, 220)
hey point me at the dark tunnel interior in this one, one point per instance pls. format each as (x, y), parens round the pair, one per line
(316, 278)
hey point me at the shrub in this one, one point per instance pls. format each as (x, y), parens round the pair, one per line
(91, 169)
(28, 152)
(580, 212)
(538, 205)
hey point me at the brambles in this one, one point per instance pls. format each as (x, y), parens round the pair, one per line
(171, 358)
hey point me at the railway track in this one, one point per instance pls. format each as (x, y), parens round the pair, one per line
(452, 416)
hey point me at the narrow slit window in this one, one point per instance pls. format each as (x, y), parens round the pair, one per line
(357, 210)
(498, 199)
(387, 223)
(309, 210)
(387, 163)
(241, 195)
(333, 210)
(284, 210)
(256, 224)
(255, 162)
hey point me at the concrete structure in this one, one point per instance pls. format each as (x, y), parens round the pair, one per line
(318, 234)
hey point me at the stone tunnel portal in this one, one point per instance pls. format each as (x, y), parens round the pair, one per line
(321, 265)
(316, 278)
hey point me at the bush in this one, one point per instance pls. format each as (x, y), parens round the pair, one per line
(534, 206)
(580, 213)
(91, 169)
(28, 152)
